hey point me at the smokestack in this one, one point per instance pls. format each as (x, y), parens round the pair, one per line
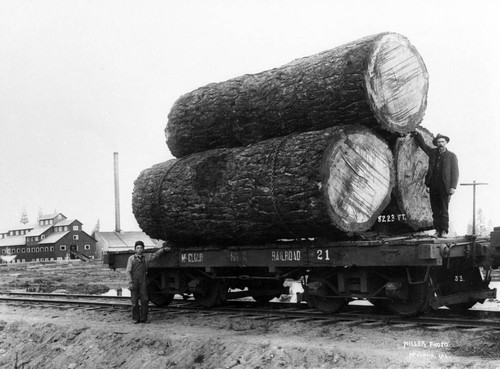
(117, 194)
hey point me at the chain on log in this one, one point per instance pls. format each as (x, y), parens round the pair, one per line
(318, 183)
(380, 80)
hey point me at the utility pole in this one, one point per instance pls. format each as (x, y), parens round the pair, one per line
(473, 184)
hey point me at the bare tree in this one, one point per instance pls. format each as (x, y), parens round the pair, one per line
(24, 216)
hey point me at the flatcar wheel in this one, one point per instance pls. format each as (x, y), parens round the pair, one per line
(459, 281)
(416, 302)
(328, 304)
(210, 293)
(322, 297)
(156, 296)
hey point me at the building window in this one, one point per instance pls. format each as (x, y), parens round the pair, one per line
(36, 238)
(18, 251)
(51, 248)
(28, 249)
(23, 250)
(86, 247)
(46, 249)
(37, 250)
(65, 228)
(63, 247)
(75, 228)
(42, 237)
(3, 251)
(75, 237)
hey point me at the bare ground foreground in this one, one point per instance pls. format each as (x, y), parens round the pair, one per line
(35, 337)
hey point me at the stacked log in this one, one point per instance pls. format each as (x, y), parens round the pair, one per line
(409, 209)
(411, 195)
(319, 183)
(378, 81)
(296, 152)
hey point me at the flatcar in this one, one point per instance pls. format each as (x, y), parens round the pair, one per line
(408, 275)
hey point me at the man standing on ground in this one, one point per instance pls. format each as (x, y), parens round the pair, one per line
(441, 179)
(137, 267)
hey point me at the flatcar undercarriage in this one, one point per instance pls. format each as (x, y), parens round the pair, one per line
(408, 276)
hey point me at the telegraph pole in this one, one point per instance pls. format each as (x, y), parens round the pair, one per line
(473, 184)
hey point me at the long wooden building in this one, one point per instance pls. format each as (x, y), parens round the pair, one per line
(53, 237)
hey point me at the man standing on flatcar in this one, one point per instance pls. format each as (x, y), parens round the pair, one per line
(441, 179)
(137, 267)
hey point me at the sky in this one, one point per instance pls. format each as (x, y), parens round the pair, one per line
(80, 80)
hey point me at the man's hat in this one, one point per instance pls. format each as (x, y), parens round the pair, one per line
(137, 243)
(439, 135)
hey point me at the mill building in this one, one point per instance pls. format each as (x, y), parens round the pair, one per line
(53, 237)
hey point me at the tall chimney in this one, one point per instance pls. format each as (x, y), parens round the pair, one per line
(117, 195)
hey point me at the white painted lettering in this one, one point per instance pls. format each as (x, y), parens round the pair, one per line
(192, 257)
(286, 255)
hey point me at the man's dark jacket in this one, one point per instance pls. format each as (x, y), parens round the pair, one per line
(450, 165)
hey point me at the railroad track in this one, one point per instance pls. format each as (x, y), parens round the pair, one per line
(474, 321)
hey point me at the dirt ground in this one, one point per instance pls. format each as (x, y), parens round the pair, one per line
(49, 338)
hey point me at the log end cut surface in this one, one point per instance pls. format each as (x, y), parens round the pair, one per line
(411, 168)
(358, 175)
(397, 83)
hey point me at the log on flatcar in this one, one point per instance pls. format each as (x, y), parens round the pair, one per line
(378, 81)
(314, 184)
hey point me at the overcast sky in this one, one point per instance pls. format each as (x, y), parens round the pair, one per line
(80, 80)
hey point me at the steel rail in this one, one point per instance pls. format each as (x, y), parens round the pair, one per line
(356, 315)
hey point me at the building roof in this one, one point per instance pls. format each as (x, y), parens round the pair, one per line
(124, 240)
(66, 222)
(53, 238)
(50, 216)
(13, 241)
(38, 230)
(22, 227)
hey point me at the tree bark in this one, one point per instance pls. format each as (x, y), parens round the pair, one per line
(318, 183)
(380, 80)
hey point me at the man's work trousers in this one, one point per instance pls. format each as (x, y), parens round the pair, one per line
(139, 294)
(439, 206)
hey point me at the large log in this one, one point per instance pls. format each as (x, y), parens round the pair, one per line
(318, 183)
(380, 80)
(409, 209)
(410, 192)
